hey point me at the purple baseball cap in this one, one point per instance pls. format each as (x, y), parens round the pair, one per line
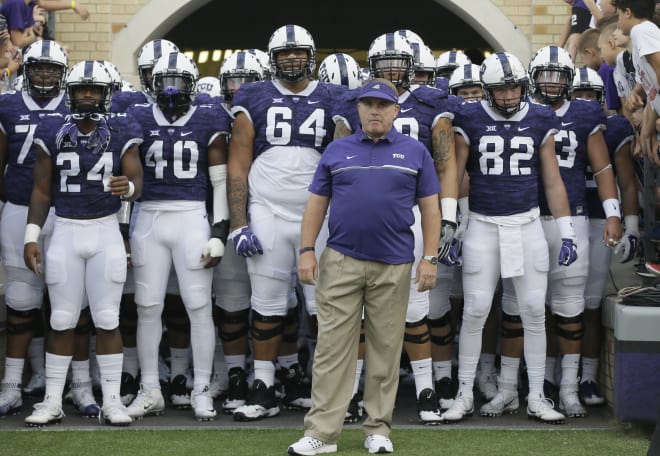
(376, 89)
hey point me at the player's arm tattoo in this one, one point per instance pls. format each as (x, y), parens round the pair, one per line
(237, 194)
(443, 143)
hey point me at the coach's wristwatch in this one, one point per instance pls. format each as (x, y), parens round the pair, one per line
(430, 258)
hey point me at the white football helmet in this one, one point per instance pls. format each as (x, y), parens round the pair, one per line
(126, 86)
(264, 60)
(588, 79)
(464, 76)
(174, 79)
(551, 74)
(149, 53)
(88, 73)
(500, 70)
(340, 69)
(390, 56)
(209, 85)
(114, 74)
(365, 74)
(239, 68)
(448, 61)
(44, 67)
(424, 63)
(290, 37)
(411, 36)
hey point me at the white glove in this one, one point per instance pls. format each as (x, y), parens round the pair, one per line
(214, 248)
(627, 246)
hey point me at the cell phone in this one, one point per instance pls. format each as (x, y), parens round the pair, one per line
(3, 25)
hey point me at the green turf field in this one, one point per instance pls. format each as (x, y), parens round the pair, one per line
(437, 441)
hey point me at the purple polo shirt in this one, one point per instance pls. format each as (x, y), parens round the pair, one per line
(373, 188)
(18, 14)
(606, 72)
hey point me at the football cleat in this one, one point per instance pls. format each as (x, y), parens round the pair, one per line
(46, 412)
(202, 403)
(427, 407)
(149, 401)
(505, 401)
(261, 403)
(487, 385)
(590, 393)
(542, 409)
(297, 393)
(10, 399)
(237, 391)
(569, 402)
(83, 399)
(444, 391)
(219, 384)
(114, 413)
(179, 394)
(355, 409)
(36, 387)
(129, 388)
(309, 446)
(463, 406)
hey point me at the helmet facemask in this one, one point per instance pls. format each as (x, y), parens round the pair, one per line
(551, 85)
(44, 79)
(508, 106)
(84, 105)
(397, 69)
(174, 92)
(292, 69)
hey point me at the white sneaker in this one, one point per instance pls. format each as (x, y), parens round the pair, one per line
(115, 414)
(46, 412)
(83, 399)
(202, 403)
(376, 443)
(487, 385)
(10, 399)
(36, 386)
(309, 446)
(569, 402)
(219, 384)
(505, 401)
(542, 409)
(149, 401)
(463, 406)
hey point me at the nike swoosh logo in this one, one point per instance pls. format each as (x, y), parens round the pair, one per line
(405, 110)
(350, 157)
(522, 128)
(313, 102)
(186, 133)
(566, 124)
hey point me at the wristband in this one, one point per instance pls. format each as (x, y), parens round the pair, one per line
(448, 208)
(129, 193)
(631, 222)
(611, 208)
(220, 230)
(565, 225)
(32, 231)
(73, 4)
(305, 249)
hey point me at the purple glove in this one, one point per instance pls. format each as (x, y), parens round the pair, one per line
(454, 256)
(568, 252)
(246, 243)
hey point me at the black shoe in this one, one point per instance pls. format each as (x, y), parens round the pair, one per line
(355, 409)
(237, 391)
(427, 407)
(179, 393)
(261, 403)
(550, 391)
(445, 393)
(297, 393)
(129, 388)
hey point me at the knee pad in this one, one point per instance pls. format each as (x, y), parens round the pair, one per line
(512, 326)
(196, 297)
(62, 320)
(420, 338)
(569, 334)
(241, 318)
(270, 333)
(290, 326)
(106, 319)
(477, 304)
(24, 295)
(30, 317)
(442, 322)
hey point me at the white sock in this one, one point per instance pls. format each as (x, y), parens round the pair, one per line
(80, 371)
(264, 371)
(550, 363)
(56, 369)
(570, 364)
(441, 369)
(131, 363)
(589, 370)
(358, 372)
(110, 370)
(287, 361)
(37, 355)
(14, 370)
(423, 374)
(202, 341)
(235, 361)
(509, 369)
(179, 361)
(149, 333)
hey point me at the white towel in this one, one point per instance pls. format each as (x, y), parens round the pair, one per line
(512, 255)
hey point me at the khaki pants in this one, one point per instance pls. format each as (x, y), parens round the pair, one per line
(345, 286)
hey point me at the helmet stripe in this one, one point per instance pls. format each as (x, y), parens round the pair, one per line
(452, 58)
(158, 50)
(343, 69)
(554, 54)
(584, 76)
(171, 63)
(89, 69)
(45, 48)
(290, 33)
(240, 60)
(467, 72)
(390, 41)
(506, 66)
